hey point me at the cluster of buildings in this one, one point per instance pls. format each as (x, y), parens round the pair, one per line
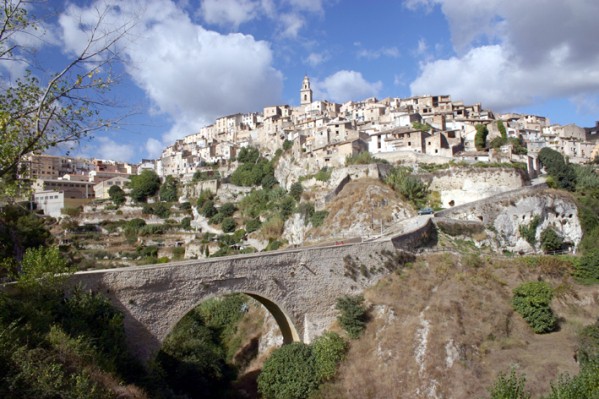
(323, 134)
(326, 132)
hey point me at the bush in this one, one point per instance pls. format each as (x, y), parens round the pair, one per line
(287, 145)
(363, 158)
(296, 190)
(529, 231)
(318, 218)
(532, 301)
(186, 223)
(324, 174)
(353, 316)
(117, 195)
(168, 190)
(329, 350)
(480, 139)
(588, 344)
(509, 387)
(550, 240)
(587, 266)
(227, 209)
(228, 225)
(289, 373)
(144, 185)
(205, 196)
(252, 225)
(208, 209)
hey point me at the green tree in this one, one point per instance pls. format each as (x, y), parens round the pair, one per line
(480, 139)
(227, 209)
(168, 189)
(117, 195)
(353, 315)
(550, 240)
(296, 190)
(144, 185)
(228, 225)
(555, 165)
(66, 107)
(329, 350)
(20, 229)
(532, 301)
(289, 373)
(502, 131)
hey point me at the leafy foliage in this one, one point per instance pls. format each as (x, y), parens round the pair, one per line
(529, 231)
(20, 229)
(563, 174)
(117, 195)
(480, 139)
(532, 301)
(296, 190)
(329, 350)
(160, 209)
(550, 240)
(289, 373)
(509, 387)
(353, 315)
(144, 185)
(408, 186)
(363, 158)
(168, 189)
(228, 225)
(587, 266)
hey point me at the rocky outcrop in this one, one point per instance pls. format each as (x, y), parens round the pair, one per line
(503, 216)
(458, 186)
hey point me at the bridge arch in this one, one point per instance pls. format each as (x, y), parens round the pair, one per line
(284, 322)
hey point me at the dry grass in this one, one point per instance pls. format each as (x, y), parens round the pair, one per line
(445, 328)
(360, 208)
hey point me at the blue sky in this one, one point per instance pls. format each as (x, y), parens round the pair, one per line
(188, 62)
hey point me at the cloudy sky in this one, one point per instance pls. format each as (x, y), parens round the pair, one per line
(188, 62)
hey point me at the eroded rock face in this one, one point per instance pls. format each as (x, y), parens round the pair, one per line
(459, 186)
(504, 215)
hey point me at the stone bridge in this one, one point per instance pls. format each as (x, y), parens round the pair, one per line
(299, 287)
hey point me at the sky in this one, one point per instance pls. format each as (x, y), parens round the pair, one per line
(185, 63)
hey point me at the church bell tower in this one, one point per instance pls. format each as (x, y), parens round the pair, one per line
(306, 92)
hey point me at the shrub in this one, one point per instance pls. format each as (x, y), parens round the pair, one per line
(186, 223)
(529, 231)
(216, 219)
(252, 225)
(117, 195)
(208, 209)
(324, 174)
(588, 344)
(205, 195)
(587, 266)
(289, 373)
(227, 209)
(353, 314)
(318, 217)
(144, 185)
(296, 190)
(228, 225)
(287, 145)
(532, 300)
(363, 158)
(329, 350)
(480, 139)
(509, 387)
(550, 240)
(168, 189)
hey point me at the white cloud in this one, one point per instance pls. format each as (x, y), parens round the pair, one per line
(229, 12)
(191, 74)
(154, 148)
(109, 149)
(391, 52)
(514, 53)
(344, 85)
(290, 24)
(315, 59)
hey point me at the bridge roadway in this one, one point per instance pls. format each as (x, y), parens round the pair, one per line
(299, 287)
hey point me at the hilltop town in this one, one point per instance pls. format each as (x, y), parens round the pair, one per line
(424, 129)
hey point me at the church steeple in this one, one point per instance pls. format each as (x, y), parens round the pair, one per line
(306, 92)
